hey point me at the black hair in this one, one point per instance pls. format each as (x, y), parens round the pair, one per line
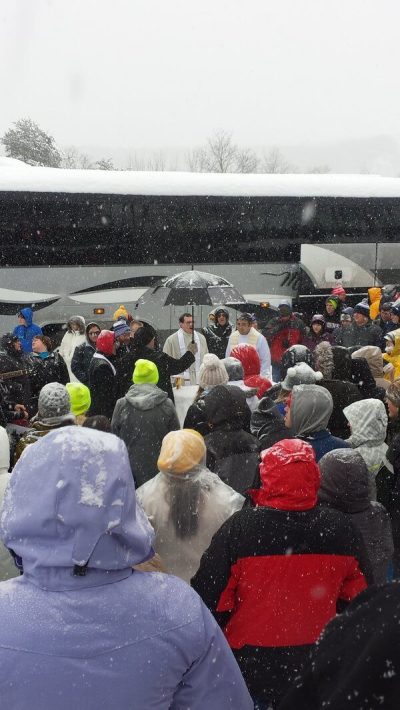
(143, 336)
(99, 422)
(183, 316)
(184, 498)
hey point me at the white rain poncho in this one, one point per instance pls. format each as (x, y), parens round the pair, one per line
(185, 510)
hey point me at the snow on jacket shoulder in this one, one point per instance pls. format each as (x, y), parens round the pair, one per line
(143, 639)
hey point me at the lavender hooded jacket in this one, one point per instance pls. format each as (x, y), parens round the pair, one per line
(112, 638)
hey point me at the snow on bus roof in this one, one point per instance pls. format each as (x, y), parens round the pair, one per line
(35, 179)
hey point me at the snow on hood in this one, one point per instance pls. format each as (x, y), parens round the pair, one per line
(146, 396)
(368, 421)
(71, 501)
(311, 409)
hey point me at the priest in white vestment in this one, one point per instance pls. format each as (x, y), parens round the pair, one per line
(245, 333)
(177, 344)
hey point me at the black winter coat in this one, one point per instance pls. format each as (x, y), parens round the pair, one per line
(103, 387)
(343, 393)
(356, 663)
(233, 455)
(167, 367)
(81, 360)
(45, 370)
(18, 389)
(361, 376)
(217, 337)
(358, 335)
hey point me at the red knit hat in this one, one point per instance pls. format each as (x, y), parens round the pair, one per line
(338, 291)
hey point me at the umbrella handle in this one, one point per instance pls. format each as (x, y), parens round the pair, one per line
(193, 323)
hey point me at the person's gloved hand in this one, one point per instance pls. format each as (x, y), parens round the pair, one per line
(192, 348)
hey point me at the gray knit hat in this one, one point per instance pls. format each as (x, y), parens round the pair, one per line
(301, 374)
(393, 393)
(212, 372)
(53, 401)
(234, 368)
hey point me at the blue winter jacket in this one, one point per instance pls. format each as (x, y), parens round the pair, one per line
(27, 332)
(323, 441)
(109, 637)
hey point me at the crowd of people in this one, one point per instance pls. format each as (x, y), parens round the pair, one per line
(228, 559)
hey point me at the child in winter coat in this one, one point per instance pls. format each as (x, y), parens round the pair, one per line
(345, 487)
(392, 355)
(368, 422)
(185, 503)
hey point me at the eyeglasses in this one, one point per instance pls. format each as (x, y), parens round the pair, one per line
(94, 332)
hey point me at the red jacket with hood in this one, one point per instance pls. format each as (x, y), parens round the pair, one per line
(274, 574)
(251, 363)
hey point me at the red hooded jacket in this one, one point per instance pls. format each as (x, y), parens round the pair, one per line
(250, 360)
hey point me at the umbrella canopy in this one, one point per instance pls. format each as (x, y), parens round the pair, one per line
(193, 288)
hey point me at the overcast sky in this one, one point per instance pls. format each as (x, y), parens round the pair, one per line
(162, 73)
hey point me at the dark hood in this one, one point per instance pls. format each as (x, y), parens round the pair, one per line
(225, 405)
(342, 369)
(293, 355)
(344, 481)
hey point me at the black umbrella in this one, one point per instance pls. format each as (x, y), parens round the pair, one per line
(192, 288)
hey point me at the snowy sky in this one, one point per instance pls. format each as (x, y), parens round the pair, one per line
(162, 73)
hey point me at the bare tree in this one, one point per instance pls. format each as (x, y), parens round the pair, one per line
(319, 170)
(275, 162)
(246, 161)
(157, 162)
(104, 164)
(222, 155)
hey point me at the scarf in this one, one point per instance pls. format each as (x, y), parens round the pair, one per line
(183, 348)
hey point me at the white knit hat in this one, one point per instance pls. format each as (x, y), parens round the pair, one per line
(212, 372)
(301, 374)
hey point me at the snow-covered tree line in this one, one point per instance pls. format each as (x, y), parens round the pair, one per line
(26, 141)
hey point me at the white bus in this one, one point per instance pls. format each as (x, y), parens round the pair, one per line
(83, 241)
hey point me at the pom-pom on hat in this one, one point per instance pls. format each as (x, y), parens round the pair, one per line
(212, 372)
(121, 314)
(79, 396)
(145, 373)
(53, 401)
(181, 451)
(362, 308)
(301, 374)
